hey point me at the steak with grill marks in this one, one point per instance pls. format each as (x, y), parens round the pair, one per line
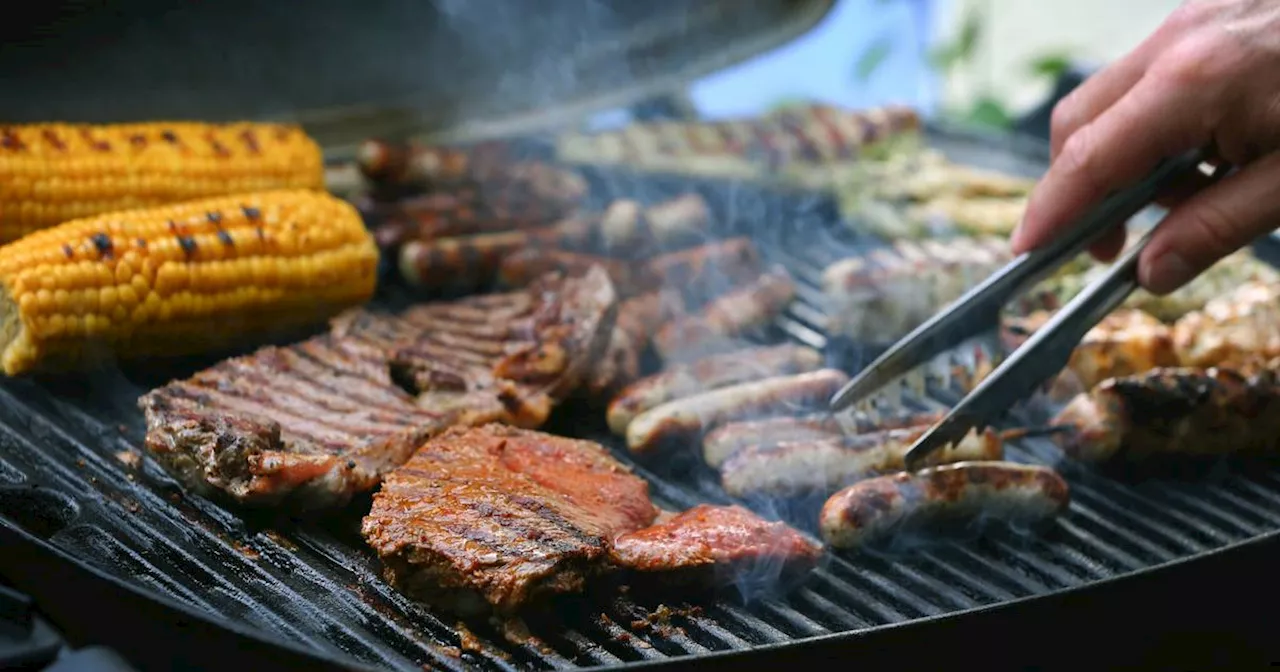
(315, 422)
(495, 517)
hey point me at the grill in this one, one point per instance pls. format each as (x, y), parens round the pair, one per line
(64, 491)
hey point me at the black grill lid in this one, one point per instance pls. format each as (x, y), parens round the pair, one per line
(461, 68)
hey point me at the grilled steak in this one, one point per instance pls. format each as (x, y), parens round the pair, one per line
(315, 422)
(715, 545)
(498, 516)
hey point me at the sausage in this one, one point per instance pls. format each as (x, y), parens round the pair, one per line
(733, 315)
(1244, 323)
(708, 373)
(826, 465)
(627, 227)
(1175, 412)
(397, 164)
(470, 261)
(688, 418)
(870, 510)
(525, 266)
(1123, 343)
(724, 441)
(708, 270)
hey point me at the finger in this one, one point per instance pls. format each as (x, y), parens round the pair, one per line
(1103, 89)
(1156, 119)
(1093, 97)
(1212, 224)
(1108, 247)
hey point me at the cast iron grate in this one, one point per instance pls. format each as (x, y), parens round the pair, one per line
(319, 587)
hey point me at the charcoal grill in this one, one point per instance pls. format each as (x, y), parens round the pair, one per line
(119, 555)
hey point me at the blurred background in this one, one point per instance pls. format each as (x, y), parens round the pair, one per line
(985, 61)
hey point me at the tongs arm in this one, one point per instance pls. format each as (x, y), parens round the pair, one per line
(979, 308)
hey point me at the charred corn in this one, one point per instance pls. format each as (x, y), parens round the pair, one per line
(180, 279)
(53, 173)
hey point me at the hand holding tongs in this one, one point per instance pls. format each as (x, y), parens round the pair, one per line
(1047, 351)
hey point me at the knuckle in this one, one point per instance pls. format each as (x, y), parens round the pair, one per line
(1202, 60)
(1079, 157)
(1063, 119)
(1213, 227)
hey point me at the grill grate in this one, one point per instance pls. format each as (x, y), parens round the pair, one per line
(319, 587)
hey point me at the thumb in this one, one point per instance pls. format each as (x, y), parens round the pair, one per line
(1212, 224)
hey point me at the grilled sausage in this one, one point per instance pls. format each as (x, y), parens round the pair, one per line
(393, 163)
(626, 227)
(1123, 343)
(724, 441)
(1176, 412)
(1242, 324)
(732, 315)
(708, 373)
(708, 270)
(525, 266)
(870, 510)
(470, 261)
(826, 465)
(688, 418)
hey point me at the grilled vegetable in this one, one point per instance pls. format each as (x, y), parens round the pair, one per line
(180, 279)
(1241, 325)
(52, 173)
(870, 510)
(1176, 412)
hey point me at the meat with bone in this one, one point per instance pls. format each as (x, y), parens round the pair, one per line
(462, 212)
(1176, 412)
(823, 466)
(726, 319)
(870, 510)
(312, 423)
(689, 418)
(497, 517)
(715, 545)
(494, 518)
(1238, 326)
(722, 442)
(1123, 343)
(708, 373)
(620, 365)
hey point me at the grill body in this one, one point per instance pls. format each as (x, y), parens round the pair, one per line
(80, 528)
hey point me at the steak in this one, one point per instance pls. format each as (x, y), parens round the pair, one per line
(715, 545)
(491, 519)
(500, 516)
(313, 423)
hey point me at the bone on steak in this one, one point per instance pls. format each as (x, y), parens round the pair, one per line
(313, 423)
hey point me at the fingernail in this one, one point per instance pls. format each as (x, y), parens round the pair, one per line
(1166, 272)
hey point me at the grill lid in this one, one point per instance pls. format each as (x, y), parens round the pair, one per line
(454, 69)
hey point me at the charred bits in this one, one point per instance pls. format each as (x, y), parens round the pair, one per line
(188, 245)
(102, 242)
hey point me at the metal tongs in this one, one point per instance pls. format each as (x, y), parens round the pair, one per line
(1048, 350)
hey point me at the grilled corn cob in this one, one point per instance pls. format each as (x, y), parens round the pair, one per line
(180, 279)
(52, 173)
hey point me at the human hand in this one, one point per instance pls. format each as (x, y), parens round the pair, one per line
(1209, 76)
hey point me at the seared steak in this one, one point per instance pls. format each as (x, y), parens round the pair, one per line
(714, 545)
(498, 516)
(315, 422)
(494, 517)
